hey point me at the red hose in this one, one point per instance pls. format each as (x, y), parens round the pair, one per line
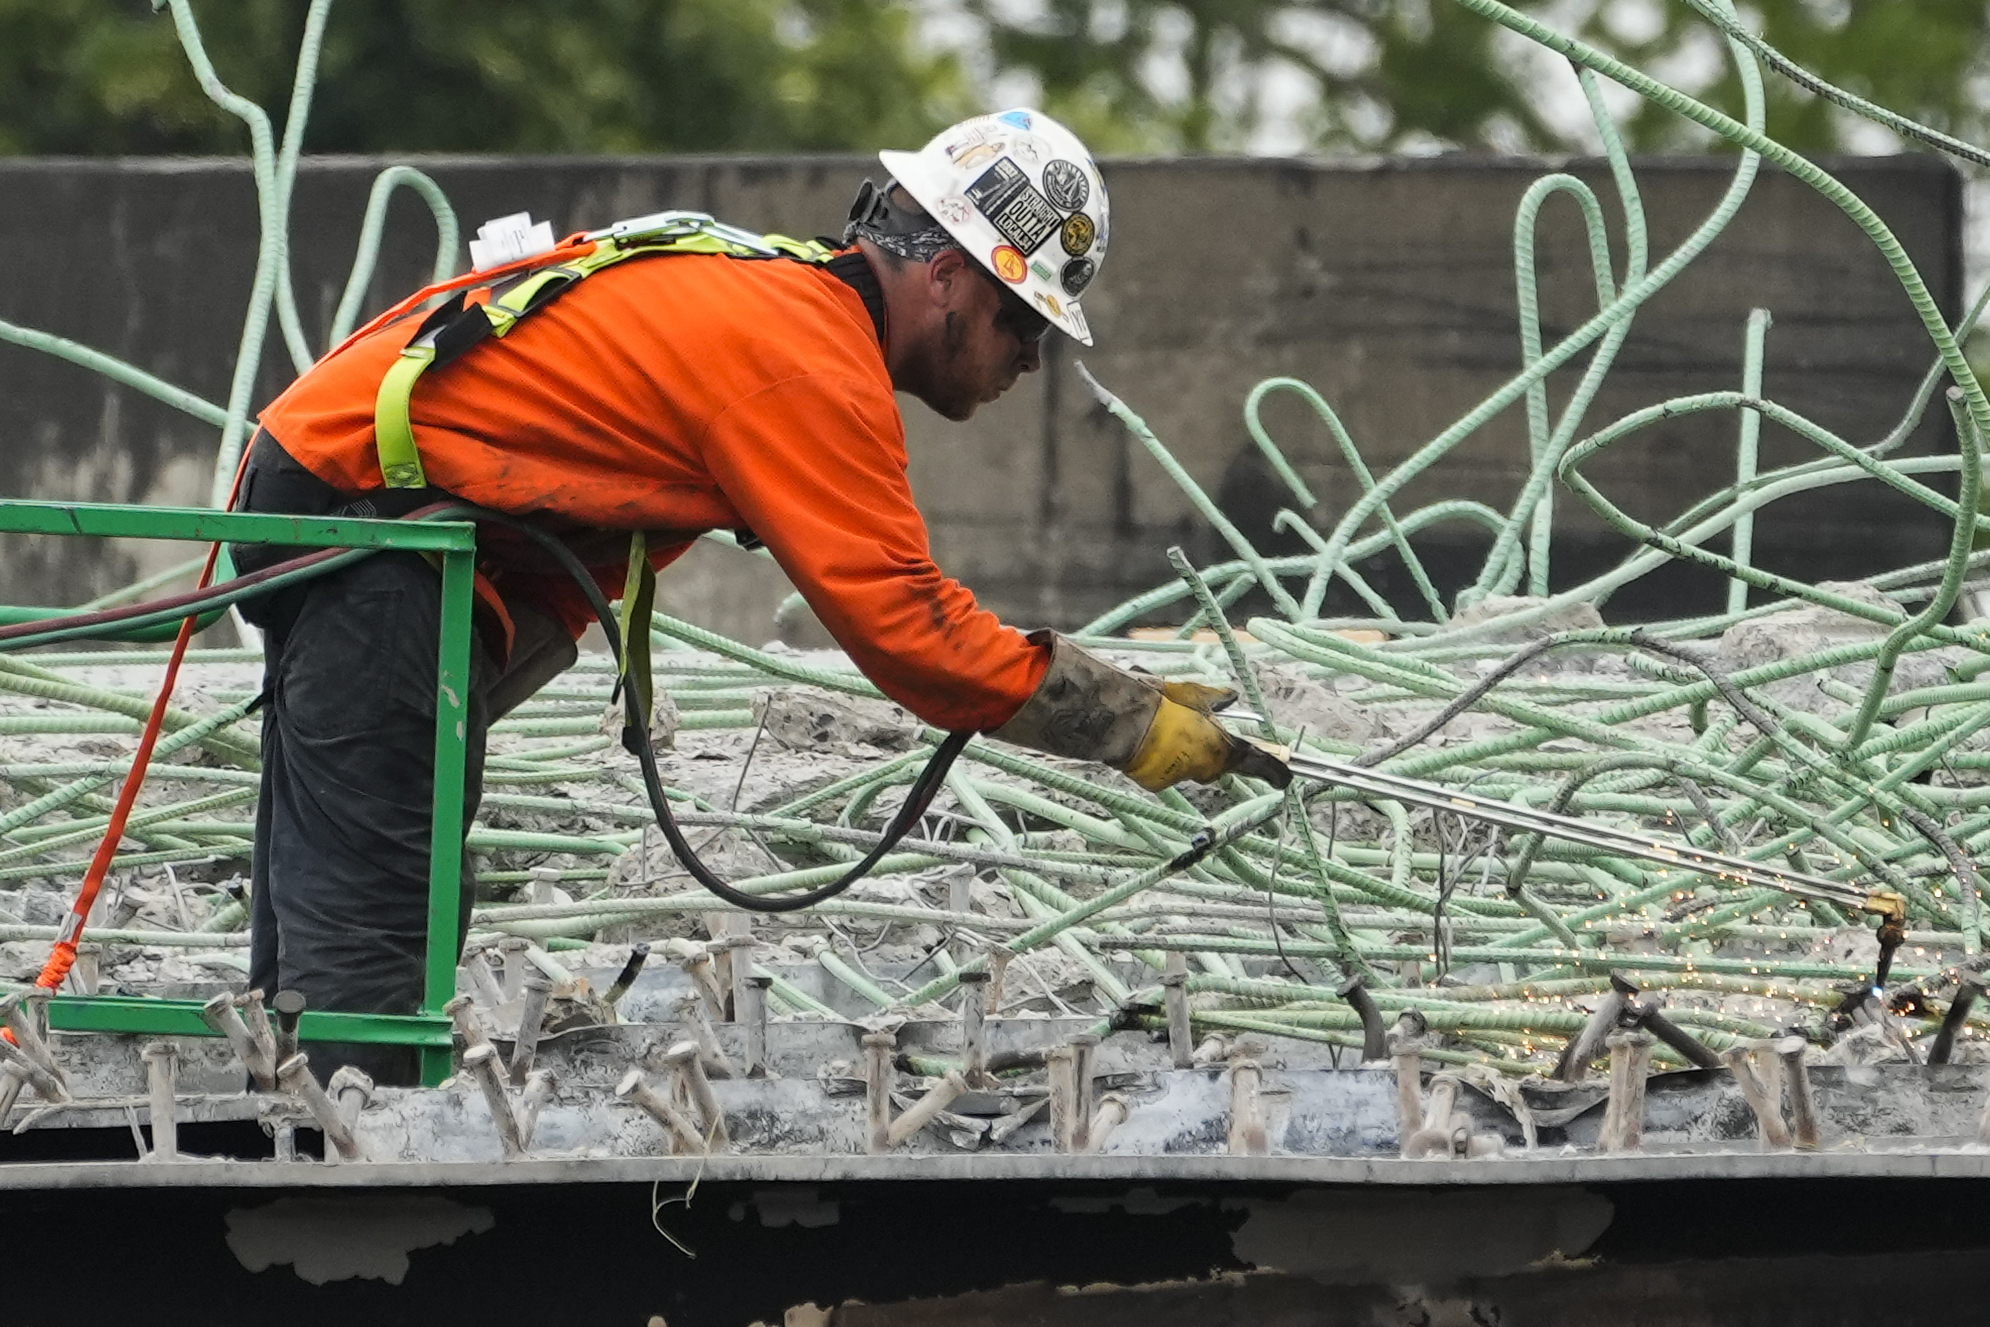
(63, 955)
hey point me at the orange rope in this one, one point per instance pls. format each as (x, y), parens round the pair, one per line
(63, 956)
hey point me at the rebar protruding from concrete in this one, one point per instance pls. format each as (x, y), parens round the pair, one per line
(255, 1017)
(161, 1061)
(12, 1079)
(25, 1014)
(288, 1006)
(1768, 1068)
(1443, 1102)
(512, 948)
(350, 1090)
(537, 989)
(1084, 1056)
(221, 1014)
(1060, 1068)
(1573, 1066)
(46, 1085)
(638, 955)
(1768, 1110)
(1248, 1137)
(1374, 1036)
(1406, 1050)
(462, 1012)
(753, 1013)
(974, 1028)
(1624, 1118)
(737, 949)
(1806, 1131)
(998, 968)
(696, 960)
(688, 1061)
(1005, 1128)
(1446, 1131)
(483, 983)
(1181, 1040)
(543, 880)
(690, 1010)
(482, 1064)
(1645, 1017)
(960, 899)
(684, 1134)
(1108, 1115)
(532, 1100)
(1966, 992)
(923, 1111)
(296, 1078)
(85, 974)
(880, 1075)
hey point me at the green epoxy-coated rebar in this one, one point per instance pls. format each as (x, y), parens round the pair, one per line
(1876, 772)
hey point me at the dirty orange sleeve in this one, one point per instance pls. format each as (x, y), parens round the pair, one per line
(815, 465)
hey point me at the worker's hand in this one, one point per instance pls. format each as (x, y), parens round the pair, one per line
(1195, 695)
(1184, 742)
(1158, 732)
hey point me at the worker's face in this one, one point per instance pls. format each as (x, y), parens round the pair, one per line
(982, 338)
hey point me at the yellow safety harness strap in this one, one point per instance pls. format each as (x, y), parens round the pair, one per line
(456, 328)
(393, 431)
(638, 601)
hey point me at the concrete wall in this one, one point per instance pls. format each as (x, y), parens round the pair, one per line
(1388, 285)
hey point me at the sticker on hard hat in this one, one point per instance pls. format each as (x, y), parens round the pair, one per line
(1050, 303)
(953, 209)
(1020, 119)
(1066, 184)
(979, 153)
(1028, 149)
(1042, 270)
(1012, 205)
(1009, 264)
(1078, 234)
(966, 136)
(1078, 275)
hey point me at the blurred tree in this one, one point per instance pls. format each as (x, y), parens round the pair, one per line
(107, 76)
(1374, 75)
(1925, 59)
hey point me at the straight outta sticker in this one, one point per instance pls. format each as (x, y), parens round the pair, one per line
(1013, 206)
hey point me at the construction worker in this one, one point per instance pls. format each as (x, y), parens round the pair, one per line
(745, 386)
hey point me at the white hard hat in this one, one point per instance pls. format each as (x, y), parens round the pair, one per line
(1024, 198)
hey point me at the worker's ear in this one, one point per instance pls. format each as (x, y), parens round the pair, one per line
(949, 278)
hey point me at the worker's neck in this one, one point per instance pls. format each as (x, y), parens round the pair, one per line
(906, 309)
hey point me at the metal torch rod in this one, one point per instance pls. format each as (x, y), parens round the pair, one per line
(1617, 842)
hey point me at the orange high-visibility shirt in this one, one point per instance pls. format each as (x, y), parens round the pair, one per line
(681, 394)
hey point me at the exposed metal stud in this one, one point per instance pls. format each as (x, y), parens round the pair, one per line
(161, 1061)
(295, 1075)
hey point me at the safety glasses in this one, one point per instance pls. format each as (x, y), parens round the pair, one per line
(1015, 317)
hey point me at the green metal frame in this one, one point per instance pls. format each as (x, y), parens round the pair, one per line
(455, 544)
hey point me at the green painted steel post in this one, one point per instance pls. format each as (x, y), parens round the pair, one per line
(445, 865)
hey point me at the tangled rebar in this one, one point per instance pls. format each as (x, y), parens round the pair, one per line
(1835, 728)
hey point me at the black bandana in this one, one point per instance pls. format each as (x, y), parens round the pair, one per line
(913, 235)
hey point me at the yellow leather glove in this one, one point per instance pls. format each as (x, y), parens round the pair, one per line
(1158, 732)
(1184, 742)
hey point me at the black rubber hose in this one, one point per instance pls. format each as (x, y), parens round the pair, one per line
(636, 739)
(635, 729)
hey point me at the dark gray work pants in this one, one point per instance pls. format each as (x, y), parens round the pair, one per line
(340, 907)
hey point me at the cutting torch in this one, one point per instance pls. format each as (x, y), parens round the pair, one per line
(1570, 829)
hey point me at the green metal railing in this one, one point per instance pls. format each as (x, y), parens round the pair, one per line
(454, 543)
